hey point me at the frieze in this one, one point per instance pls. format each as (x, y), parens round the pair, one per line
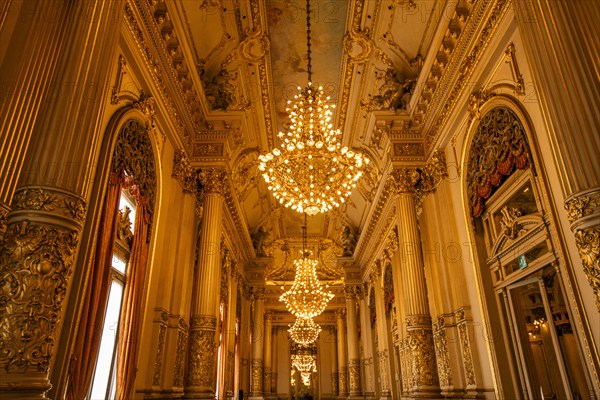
(36, 263)
(207, 149)
(408, 149)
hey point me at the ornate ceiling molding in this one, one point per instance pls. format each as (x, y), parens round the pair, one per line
(464, 67)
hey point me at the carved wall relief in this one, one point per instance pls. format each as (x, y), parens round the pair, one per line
(202, 352)
(441, 353)
(182, 336)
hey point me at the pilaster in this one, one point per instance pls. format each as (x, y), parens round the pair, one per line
(257, 371)
(340, 316)
(353, 353)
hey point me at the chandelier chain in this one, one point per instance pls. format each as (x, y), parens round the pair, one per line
(308, 32)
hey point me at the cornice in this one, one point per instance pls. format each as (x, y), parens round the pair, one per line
(465, 67)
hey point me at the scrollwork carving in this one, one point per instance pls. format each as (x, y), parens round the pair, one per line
(581, 206)
(441, 353)
(202, 354)
(36, 264)
(162, 333)
(257, 377)
(212, 180)
(343, 381)
(499, 146)
(354, 376)
(50, 200)
(178, 370)
(423, 363)
(134, 155)
(588, 244)
(466, 353)
(183, 172)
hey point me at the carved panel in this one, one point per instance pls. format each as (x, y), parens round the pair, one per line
(423, 363)
(466, 353)
(162, 333)
(202, 351)
(207, 150)
(256, 382)
(343, 385)
(441, 353)
(181, 350)
(134, 155)
(354, 375)
(36, 263)
(588, 245)
(499, 146)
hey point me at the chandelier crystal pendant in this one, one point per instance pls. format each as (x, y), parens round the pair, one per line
(306, 298)
(311, 171)
(305, 331)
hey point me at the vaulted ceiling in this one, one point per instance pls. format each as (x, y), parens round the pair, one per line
(392, 67)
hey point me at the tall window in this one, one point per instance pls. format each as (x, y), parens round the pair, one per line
(105, 374)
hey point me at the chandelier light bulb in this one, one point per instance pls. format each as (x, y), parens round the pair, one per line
(311, 144)
(304, 332)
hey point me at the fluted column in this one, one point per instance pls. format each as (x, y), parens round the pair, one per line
(48, 148)
(419, 330)
(365, 323)
(564, 64)
(341, 346)
(202, 359)
(335, 378)
(267, 353)
(353, 353)
(230, 333)
(274, 364)
(383, 351)
(256, 380)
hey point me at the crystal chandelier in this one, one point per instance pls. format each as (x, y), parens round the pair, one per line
(306, 298)
(310, 171)
(304, 331)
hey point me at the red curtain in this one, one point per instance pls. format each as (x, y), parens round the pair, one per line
(85, 353)
(130, 322)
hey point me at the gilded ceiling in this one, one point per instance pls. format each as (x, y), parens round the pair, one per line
(393, 68)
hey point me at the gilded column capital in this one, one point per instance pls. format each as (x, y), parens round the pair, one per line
(340, 314)
(583, 208)
(405, 180)
(420, 180)
(351, 292)
(64, 207)
(183, 172)
(257, 292)
(212, 180)
(269, 316)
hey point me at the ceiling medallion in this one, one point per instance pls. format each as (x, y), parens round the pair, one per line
(311, 171)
